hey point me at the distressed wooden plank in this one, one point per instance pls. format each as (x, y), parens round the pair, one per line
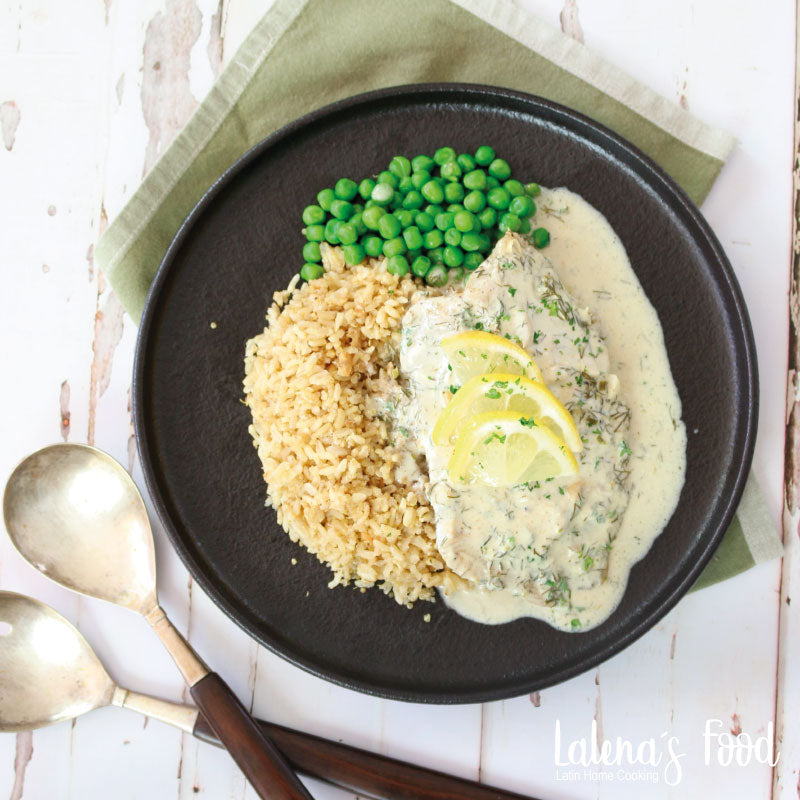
(78, 70)
(787, 700)
(47, 208)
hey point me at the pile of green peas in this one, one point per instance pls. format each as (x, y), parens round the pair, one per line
(437, 217)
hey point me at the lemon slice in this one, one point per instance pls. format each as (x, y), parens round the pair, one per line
(473, 353)
(505, 448)
(499, 391)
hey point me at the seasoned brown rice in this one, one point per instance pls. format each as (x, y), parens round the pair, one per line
(327, 459)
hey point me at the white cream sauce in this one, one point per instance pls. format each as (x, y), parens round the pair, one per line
(560, 551)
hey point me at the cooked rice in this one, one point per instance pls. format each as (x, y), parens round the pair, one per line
(328, 460)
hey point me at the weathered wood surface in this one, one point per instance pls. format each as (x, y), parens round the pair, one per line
(90, 95)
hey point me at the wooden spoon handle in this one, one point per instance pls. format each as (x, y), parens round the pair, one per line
(364, 772)
(257, 757)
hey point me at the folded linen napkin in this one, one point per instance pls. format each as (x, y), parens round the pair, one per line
(304, 54)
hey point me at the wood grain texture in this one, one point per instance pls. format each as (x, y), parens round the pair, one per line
(72, 77)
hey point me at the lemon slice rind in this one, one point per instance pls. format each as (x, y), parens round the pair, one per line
(505, 448)
(473, 353)
(501, 391)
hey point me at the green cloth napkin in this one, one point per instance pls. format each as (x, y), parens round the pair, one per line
(304, 54)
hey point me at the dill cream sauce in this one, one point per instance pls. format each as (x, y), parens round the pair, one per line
(561, 551)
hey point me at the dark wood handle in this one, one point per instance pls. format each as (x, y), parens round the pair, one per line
(258, 758)
(364, 772)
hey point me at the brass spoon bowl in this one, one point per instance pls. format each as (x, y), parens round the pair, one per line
(76, 515)
(49, 673)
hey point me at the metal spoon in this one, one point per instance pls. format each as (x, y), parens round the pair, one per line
(49, 673)
(76, 515)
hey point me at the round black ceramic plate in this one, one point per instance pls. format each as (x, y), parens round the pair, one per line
(242, 242)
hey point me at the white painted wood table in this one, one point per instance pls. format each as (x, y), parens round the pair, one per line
(90, 95)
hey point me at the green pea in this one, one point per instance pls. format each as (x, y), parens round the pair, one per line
(341, 209)
(420, 163)
(345, 189)
(466, 162)
(522, 205)
(454, 192)
(514, 187)
(397, 265)
(437, 275)
(373, 246)
(433, 239)
(432, 191)
(475, 201)
(456, 274)
(358, 208)
(488, 218)
(357, 221)
(476, 224)
(525, 225)
(420, 266)
(311, 252)
(436, 255)
(315, 233)
(382, 194)
(450, 171)
(310, 271)
(463, 221)
(424, 221)
(412, 254)
(444, 221)
(484, 155)
(498, 198)
(405, 185)
(396, 201)
(371, 217)
(470, 242)
(353, 254)
(492, 182)
(472, 260)
(413, 200)
(412, 237)
(400, 166)
(531, 189)
(443, 155)
(388, 177)
(405, 216)
(500, 169)
(332, 231)
(433, 210)
(509, 222)
(452, 236)
(476, 179)
(485, 243)
(325, 198)
(313, 215)
(365, 188)
(453, 256)
(420, 178)
(347, 233)
(389, 226)
(541, 237)
(394, 247)
(454, 208)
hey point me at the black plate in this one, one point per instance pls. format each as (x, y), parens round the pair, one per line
(242, 242)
